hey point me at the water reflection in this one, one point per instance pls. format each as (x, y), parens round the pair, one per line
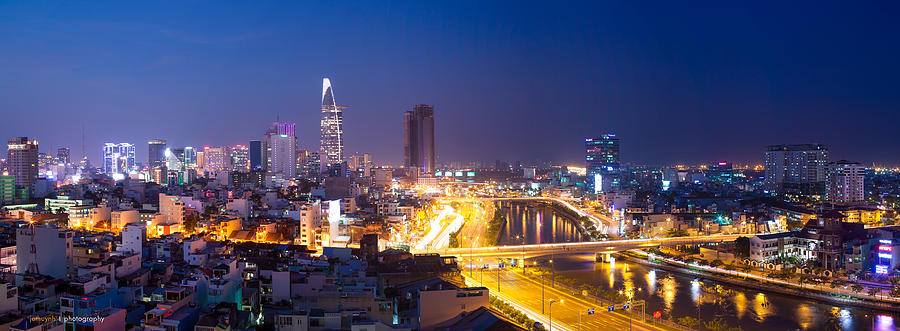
(740, 304)
(805, 316)
(762, 307)
(885, 322)
(536, 223)
(669, 289)
(695, 291)
(651, 282)
(678, 295)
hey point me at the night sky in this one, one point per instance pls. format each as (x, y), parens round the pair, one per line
(679, 82)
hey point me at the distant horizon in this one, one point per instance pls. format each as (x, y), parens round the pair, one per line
(141, 157)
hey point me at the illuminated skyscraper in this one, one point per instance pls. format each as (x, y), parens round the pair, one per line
(62, 155)
(156, 159)
(602, 158)
(281, 144)
(175, 159)
(118, 158)
(156, 156)
(418, 138)
(239, 158)
(215, 159)
(190, 157)
(332, 126)
(22, 160)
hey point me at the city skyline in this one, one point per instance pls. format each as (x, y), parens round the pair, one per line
(449, 165)
(671, 100)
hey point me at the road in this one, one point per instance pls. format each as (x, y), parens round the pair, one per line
(526, 293)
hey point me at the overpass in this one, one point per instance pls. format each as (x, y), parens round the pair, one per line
(603, 225)
(599, 247)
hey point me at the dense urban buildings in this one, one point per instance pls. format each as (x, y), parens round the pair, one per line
(332, 126)
(418, 138)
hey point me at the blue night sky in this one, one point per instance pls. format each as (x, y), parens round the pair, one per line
(679, 82)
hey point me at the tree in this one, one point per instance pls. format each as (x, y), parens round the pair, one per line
(837, 282)
(895, 280)
(873, 291)
(716, 325)
(856, 288)
(716, 263)
(190, 223)
(689, 321)
(895, 291)
(585, 289)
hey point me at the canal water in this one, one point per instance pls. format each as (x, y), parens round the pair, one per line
(676, 295)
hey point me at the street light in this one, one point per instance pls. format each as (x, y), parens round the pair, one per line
(542, 289)
(552, 281)
(550, 314)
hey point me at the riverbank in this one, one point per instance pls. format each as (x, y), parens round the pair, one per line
(781, 288)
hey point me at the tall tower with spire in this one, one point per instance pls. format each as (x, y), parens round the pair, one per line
(332, 126)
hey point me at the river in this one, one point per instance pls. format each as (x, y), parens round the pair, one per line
(674, 294)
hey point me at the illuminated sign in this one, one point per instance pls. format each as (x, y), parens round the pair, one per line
(598, 183)
(881, 269)
(884, 255)
(883, 241)
(458, 174)
(438, 173)
(448, 173)
(470, 174)
(885, 248)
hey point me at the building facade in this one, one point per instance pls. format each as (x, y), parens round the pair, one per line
(602, 163)
(796, 169)
(418, 138)
(257, 155)
(332, 126)
(281, 155)
(845, 182)
(239, 158)
(22, 160)
(118, 158)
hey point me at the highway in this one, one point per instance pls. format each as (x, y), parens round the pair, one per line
(526, 295)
